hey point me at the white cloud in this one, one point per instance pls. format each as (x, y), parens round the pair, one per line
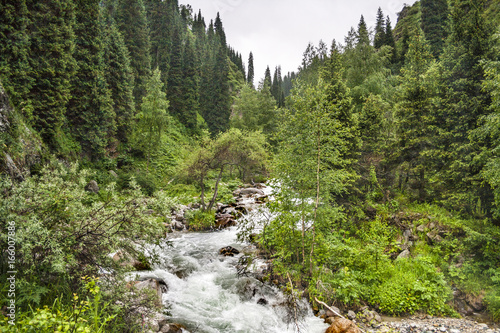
(278, 31)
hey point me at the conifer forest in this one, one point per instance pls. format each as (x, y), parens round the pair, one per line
(152, 181)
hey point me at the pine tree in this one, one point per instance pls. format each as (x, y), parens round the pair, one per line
(268, 81)
(464, 103)
(175, 79)
(190, 87)
(90, 110)
(380, 30)
(362, 36)
(160, 16)
(132, 22)
(51, 56)
(216, 98)
(434, 23)
(415, 114)
(14, 53)
(119, 77)
(389, 39)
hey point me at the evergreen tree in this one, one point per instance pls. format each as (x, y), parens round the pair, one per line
(175, 79)
(415, 120)
(132, 22)
(190, 87)
(14, 53)
(51, 54)
(362, 35)
(160, 16)
(339, 98)
(119, 77)
(464, 103)
(380, 30)
(389, 39)
(268, 81)
(216, 99)
(434, 23)
(90, 110)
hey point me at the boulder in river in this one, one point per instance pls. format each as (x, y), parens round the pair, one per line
(224, 221)
(228, 251)
(342, 325)
(251, 191)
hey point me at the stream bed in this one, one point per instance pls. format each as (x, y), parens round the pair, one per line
(205, 295)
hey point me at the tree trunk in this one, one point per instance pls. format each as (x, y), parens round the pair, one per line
(202, 196)
(216, 189)
(316, 205)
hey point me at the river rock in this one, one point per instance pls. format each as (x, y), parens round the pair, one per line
(92, 187)
(151, 284)
(262, 301)
(224, 221)
(125, 259)
(342, 325)
(228, 251)
(251, 191)
(351, 315)
(330, 313)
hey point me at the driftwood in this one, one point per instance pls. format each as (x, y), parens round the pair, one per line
(335, 312)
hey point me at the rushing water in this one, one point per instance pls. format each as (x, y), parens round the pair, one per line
(205, 294)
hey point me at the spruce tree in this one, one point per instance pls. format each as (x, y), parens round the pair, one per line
(160, 30)
(15, 68)
(190, 87)
(414, 112)
(175, 79)
(51, 57)
(132, 22)
(362, 35)
(218, 121)
(251, 70)
(464, 102)
(434, 23)
(380, 30)
(90, 110)
(389, 40)
(268, 81)
(119, 77)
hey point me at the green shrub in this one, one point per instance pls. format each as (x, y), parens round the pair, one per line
(413, 285)
(200, 220)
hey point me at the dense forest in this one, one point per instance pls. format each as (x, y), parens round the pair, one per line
(383, 150)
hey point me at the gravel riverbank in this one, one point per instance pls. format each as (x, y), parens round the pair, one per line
(430, 325)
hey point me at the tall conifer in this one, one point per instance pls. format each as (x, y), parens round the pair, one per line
(51, 56)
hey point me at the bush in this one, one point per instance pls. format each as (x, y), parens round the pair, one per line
(200, 220)
(413, 285)
(64, 232)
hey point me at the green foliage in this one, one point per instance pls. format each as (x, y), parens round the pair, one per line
(51, 53)
(90, 110)
(64, 232)
(254, 111)
(200, 220)
(87, 313)
(413, 285)
(132, 22)
(153, 118)
(244, 151)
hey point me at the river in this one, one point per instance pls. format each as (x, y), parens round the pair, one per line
(205, 294)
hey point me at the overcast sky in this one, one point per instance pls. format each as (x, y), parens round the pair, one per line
(278, 31)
